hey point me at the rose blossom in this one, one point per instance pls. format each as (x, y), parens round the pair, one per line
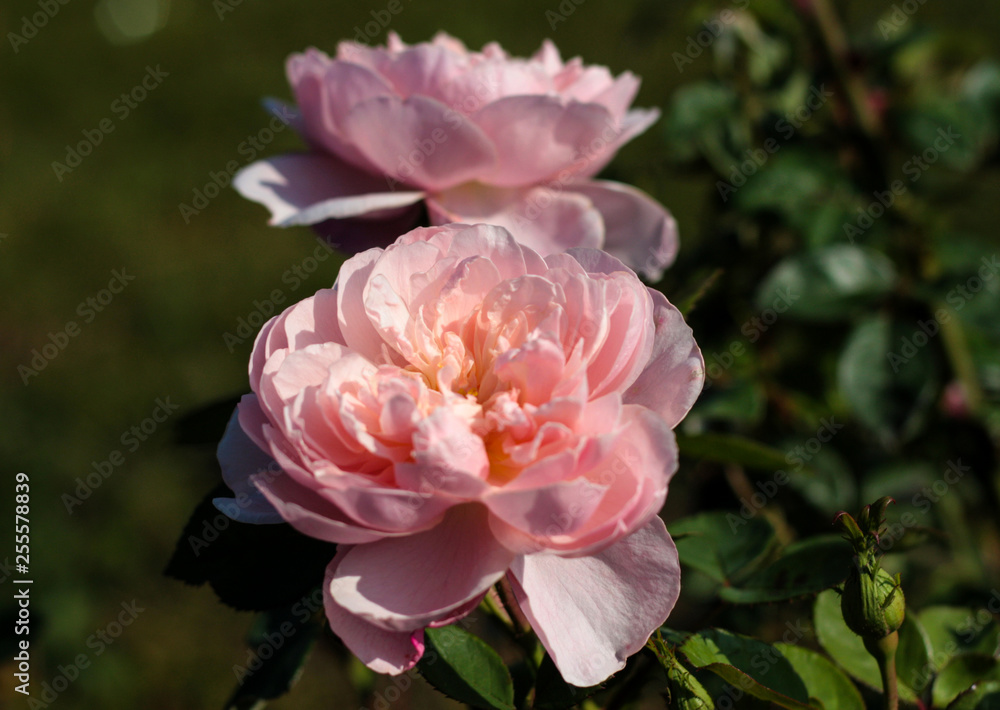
(457, 409)
(476, 136)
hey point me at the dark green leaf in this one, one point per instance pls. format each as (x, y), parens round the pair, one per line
(832, 283)
(823, 680)
(554, 693)
(280, 643)
(985, 696)
(961, 672)
(725, 546)
(742, 401)
(889, 384)
(464, 668)
(754, 666)
(913, 656)
(250, 567)
(731, 448)
(953, 630)
(806, 567)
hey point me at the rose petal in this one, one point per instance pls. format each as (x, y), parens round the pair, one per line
(675, 374)
(383, 651)
(592, 613)
(419, 141)
(309, 188)
(536, 136)
(404, 584)
(637, 229)
(240, 458)
(546, 221)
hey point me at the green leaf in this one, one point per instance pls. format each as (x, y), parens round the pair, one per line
(464, 668)
(806, 567)
(889, 387)
(985, 696)
(724, 546)
(913, 656)
(846, 647)
(754, 666)
(699, 120)
(743, 401)
(731, 448)
(554, 693)
(954, 630)
(250, 567)
(961, 672)
(832, 283)
(823, 680)
(831, 488)
(281, 641)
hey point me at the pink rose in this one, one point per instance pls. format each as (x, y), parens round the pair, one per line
(476, 136)
(457, 409)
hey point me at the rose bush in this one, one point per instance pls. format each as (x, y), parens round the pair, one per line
(475, 136)
(457, 409)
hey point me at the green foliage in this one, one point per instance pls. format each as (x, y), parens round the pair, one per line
(466, 669)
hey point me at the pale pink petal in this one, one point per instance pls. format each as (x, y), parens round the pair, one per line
(383, 651)
(592, 613)
(534, 518)
(635, 475)
(404, 584)
(612, 138)
(309, 188)
(619, 95)
(310, 513)
(548, 55)
(240, 458)
(536, 136)
(546, 221)
(675, 374)
(359, 332)
(419, 141)
(637, 229)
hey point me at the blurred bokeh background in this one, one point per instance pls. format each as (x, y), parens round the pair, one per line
(66, 234)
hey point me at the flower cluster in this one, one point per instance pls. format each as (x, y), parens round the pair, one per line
(474, 402)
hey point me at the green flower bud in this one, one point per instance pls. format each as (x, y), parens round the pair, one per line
(872, 603)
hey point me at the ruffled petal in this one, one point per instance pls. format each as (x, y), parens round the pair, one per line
(407, 583)
(675, 374)
(240, 458)
(546, 221)
(592, 613)
(383, 651)
(637, 229)
(309, 188)
(537, 136)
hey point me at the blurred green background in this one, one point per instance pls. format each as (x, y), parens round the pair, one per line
(63, 236)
